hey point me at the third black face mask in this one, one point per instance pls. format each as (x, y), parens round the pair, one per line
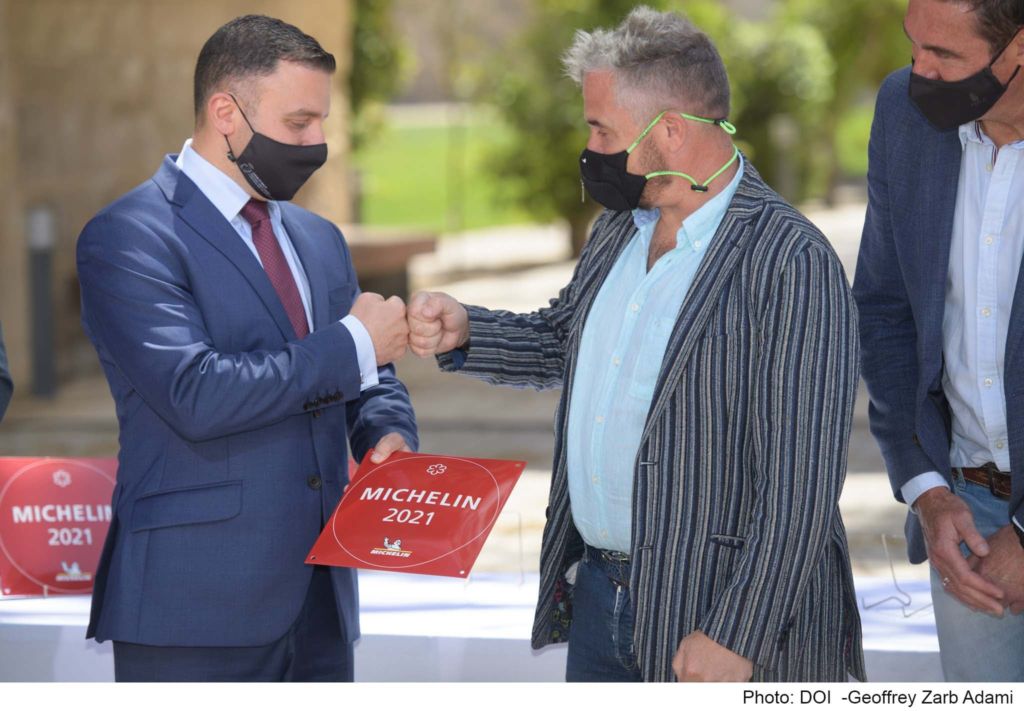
(276, 170)
(949, 104)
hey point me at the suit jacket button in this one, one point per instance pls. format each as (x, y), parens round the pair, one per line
(314, 482)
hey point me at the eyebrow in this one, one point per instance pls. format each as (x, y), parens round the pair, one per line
(936, 49)
(305, 113)
(595, 123)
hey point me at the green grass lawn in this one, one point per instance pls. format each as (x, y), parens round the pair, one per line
(435, 177)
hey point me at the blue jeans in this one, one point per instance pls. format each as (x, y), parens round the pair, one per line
(601, 634)
(975, 646)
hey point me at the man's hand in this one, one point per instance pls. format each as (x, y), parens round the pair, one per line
(386, 324)
(946, 520)
(437, 324)
(388, 445)
(1004, 566)
(699, 658)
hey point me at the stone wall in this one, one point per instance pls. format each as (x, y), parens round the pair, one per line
(93, 93)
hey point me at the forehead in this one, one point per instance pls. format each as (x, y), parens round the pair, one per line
(600, 104)
(943, 23)
(292, 86)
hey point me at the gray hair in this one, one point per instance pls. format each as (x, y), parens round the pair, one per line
(659, 60)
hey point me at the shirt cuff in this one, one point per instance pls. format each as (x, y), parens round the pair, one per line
(364, 352)
(920, 484)
(1017, 523)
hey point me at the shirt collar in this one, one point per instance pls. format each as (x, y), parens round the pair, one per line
(225, 194)
(697, 229)
(971, 133)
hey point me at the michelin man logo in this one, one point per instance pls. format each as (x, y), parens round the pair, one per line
(393, 545)
(62, 478)
(436, 469)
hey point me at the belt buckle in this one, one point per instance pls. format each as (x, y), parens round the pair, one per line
(614, 556)
(990, 471)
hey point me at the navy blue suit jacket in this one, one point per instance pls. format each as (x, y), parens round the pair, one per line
(232, 431)
(900, 287)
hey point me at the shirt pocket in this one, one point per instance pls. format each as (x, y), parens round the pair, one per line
(650, 356)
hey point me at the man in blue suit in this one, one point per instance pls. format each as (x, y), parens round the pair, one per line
(942, 319)
(241, 356)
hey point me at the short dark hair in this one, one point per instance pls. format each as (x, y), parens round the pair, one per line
(997, 21)
(251, 46)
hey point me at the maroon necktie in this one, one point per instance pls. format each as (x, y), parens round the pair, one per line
(257, 214)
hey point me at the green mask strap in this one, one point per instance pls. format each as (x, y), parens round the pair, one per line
(698, 187)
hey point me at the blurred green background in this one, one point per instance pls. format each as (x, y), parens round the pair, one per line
(503, 147)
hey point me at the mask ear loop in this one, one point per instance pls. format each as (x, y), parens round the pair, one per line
(703, 187)
(231, 153)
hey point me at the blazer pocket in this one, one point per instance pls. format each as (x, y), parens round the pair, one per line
(188, 506)
(735, 542)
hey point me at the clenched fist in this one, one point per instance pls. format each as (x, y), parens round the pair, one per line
(437, 324)
(385, 321)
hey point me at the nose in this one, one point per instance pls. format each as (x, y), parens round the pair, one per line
(315, 134)
(925, 65)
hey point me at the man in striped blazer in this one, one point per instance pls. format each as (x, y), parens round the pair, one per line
(708, 352)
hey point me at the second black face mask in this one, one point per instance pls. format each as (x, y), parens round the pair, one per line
(276, 170)
(949, 104)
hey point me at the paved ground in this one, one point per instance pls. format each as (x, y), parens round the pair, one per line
(518, 269)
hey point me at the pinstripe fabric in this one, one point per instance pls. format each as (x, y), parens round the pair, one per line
(736, 526)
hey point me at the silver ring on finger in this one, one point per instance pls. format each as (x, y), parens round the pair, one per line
(945, 581)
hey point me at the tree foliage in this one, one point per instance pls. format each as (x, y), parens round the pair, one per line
(378, 66)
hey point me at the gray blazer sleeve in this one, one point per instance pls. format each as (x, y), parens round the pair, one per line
(6, 384)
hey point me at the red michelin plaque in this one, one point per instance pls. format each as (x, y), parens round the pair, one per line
(417, 513)
(54, 516)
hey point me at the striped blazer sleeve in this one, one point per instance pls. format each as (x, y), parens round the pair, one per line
(806, 379)
(528, 350)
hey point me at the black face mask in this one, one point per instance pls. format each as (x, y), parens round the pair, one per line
(605, 177)
(276, 170)
(949, 104)
(608, 182)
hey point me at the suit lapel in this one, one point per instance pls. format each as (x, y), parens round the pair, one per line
(200, 214)
(306, 247)
(1015, 334)
(932, 205)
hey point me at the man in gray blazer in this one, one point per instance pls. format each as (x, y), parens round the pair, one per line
(707, 350)
(6, 384)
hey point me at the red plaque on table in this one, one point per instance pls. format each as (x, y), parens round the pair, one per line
(417, 513)
(54, 516)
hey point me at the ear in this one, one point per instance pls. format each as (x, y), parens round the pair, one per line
(222, 113)
(1017, 48)
(676, 131)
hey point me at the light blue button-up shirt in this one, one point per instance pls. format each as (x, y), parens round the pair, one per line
(985, 256)
(621, 353)
(229, 199)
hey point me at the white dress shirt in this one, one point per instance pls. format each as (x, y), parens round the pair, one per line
(229, 199)
(985, 256)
